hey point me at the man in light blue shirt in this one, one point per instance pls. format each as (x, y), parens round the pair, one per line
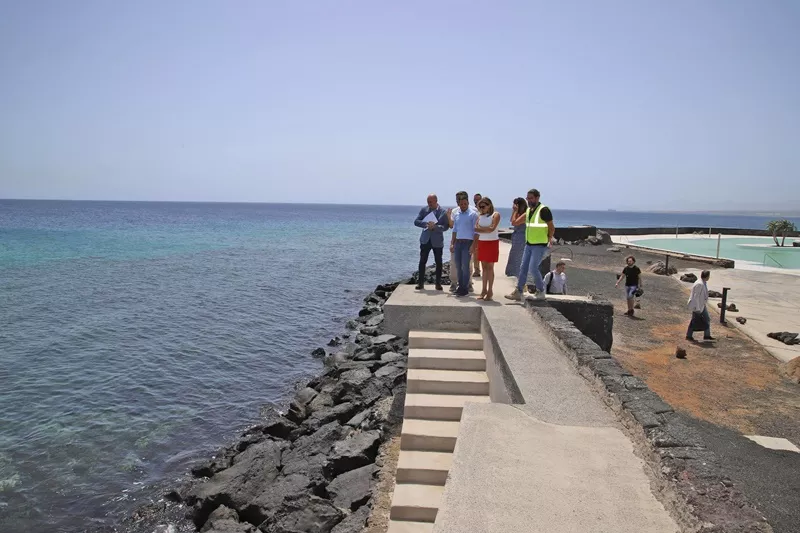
(432, 238)
(464, 242)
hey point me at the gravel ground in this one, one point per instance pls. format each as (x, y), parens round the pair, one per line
(728, 388)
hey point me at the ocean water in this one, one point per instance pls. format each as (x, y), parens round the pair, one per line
(137, 337)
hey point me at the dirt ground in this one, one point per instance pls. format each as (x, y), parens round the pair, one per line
(732, 382)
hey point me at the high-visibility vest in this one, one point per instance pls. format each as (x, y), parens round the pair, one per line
(536, 230)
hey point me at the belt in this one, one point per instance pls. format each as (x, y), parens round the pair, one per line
(463, 240)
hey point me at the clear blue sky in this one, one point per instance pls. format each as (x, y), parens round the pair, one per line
(639, 104)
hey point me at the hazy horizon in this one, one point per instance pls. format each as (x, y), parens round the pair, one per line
(633, 106)
(741, 212)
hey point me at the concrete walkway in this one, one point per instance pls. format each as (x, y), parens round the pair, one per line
(514, 473)
(770, 302)
(547, 454)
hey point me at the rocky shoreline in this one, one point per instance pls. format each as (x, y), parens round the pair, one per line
(312, 467)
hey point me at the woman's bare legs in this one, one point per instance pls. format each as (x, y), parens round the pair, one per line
(488, 280)
(484, 281)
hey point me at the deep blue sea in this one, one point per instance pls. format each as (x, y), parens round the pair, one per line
(137, 337)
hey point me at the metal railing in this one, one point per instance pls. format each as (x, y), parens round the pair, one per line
(768, 256)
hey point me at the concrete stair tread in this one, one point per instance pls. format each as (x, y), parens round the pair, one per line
(445, 335)
(439, 359)
(459, 376)
(416, 502)
(397, 526)
(413, 459)
(445, 340)
(446, 354)
(433, 428)
(444, 400)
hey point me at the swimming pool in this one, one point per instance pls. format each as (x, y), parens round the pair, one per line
(755, 250)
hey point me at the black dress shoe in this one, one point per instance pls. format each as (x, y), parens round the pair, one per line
(709, 338)
(690, 339)
(439, 288)
(420, 287)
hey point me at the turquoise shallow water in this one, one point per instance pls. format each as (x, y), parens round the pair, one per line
(135, 337)
(757, 250)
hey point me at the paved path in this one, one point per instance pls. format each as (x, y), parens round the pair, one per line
(770, 302)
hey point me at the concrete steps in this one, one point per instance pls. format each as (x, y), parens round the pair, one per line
(445, 340)
(438, 406)
(446, 359)
(469, 382)
(427, 468)
(428, 435)
(416, 503)
(445, 371)
(396, 526)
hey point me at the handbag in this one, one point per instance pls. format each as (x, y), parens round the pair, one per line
(699, 322)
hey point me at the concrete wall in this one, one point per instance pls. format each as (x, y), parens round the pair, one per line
(593, 318)
(691, 229)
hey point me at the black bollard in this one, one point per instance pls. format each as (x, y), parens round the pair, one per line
(724, 305)
(667, 265)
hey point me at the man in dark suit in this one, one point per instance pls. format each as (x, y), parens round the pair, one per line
(434, 222)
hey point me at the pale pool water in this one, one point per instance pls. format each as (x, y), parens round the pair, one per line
(754, 250)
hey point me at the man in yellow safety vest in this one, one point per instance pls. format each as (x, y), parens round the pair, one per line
(539, 232)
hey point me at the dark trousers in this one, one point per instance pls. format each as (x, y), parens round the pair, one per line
(424, 253)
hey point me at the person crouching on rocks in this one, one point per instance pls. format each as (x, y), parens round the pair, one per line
(488, 244)
(633, 282)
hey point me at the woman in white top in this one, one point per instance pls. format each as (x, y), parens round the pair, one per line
(488, 244)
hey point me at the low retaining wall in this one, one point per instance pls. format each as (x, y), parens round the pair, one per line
(593, 318)
(682, 230)
(721, 262)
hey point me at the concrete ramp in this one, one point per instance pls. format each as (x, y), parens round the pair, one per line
(514, 473)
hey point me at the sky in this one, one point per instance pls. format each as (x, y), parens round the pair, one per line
(639, 104)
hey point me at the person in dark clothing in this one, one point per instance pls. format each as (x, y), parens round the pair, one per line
(434, 222)
(633, 281)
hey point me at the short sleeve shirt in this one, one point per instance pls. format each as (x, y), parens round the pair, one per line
(464, 223)
(631, 274)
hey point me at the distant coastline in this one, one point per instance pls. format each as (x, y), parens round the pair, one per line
(732, 212)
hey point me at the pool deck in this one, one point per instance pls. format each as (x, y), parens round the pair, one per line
(769, 301)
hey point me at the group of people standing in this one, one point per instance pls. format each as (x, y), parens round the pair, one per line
(475, 243)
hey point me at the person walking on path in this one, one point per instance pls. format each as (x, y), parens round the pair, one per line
(555, 281)
(539, 231)
(517, 237)
(633, 282)
(434, 222)
(697, 305)
(476, 264)
(462, 244)
(488, 244)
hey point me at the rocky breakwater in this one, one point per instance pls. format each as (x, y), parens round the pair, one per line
(312, 468)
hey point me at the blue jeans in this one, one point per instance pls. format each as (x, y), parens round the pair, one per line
(461, 258)
(707, 332)
(531, 258)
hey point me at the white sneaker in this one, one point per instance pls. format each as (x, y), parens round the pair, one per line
(540, 295)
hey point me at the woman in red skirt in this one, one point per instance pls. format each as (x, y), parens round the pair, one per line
(488, 244)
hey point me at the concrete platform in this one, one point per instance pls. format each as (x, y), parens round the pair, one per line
(409, 309)
(514, 473)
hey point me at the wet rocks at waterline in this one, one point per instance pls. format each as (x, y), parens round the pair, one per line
(311, 468)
